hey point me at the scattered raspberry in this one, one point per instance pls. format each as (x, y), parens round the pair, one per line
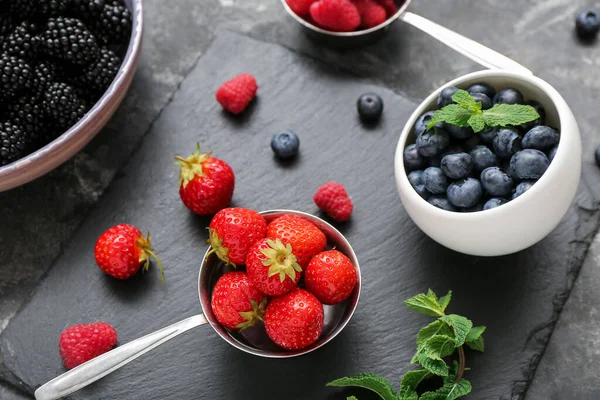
(235, 94)
(334, 200)
(81, 343)
(389, 5)
(371, 13)
(300, 7)
(335, 15)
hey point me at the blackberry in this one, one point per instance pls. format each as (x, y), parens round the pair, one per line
(22, 42)
(87, 10)
(62, 105)
(43, 75)
(68, 39)
(50, 8)
(99, 75)
(21, 9)
(7, 24)
(27, 114)
(12, 143)
(113, 25)
(15, 74)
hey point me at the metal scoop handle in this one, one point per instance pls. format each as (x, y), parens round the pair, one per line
(91, 371)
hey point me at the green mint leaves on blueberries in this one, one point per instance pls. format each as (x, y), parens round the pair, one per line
(436, 342)
(467, 112)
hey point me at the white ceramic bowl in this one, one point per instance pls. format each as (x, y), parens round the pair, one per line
(519, 223)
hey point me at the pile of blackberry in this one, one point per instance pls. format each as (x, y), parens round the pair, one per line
(57, 58)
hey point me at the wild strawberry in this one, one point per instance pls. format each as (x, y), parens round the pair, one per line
(294, 321)
(371, 13)
(235, 94)
(389, 5)
(122, 250)
(300, 7)
(205, 183)
(81, 343)
(236, 303)
(305, 238)
(272, 267)
(233, 231)
(334, 200)
(335, 15)
(330, 276)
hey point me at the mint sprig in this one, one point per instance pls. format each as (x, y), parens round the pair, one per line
(467, 112)
(436, 342)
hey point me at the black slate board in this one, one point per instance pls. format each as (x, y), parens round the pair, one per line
(517, 297)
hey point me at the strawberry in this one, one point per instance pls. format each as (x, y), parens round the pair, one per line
(205, 183)
(235, 94)
(122, 250)
(236, 303)
(272, 267)
(305, 238)
(330, 276)
(334, 200)
(81, 343)
(233, 231)
(300, 7)
(389, 5)
(335, 15)
(294, 321)
(371, 13)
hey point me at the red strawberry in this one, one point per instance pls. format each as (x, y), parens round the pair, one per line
(335, 15)
(300, 7)
(389, 5)
(294, 321)
(122, 250)
(330, 276)
(236, 303)
(305, 238)
(235, 94)
(81, 343)
(334, 200)
(371, 13)
(272, 267)
(205, 183)
(233, 231)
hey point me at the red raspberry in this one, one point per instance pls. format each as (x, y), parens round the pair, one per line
(235, 94)
(334, 200)
(81, 343)
(300, 7)
(371, 13)
(389, 5)
(335, 15)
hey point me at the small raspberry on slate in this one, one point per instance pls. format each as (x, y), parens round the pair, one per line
(62, 104)
(235, 94)
(113, 25)
(389, 5)
(371, 13)
(335, 15)
(83, 342)
(68, 39)
(12, 143)
(300, 7)
(22, 42)
(334, 200)
(99, 75)
(15, 75)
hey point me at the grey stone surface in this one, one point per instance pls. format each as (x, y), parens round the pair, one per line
(7, 393)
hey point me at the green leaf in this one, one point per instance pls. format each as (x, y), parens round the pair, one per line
(407, 393)
(509, 114)
(425, 304)
(436, 367)
(460, 325)
(477, 122)
(439, 346)
(351, 398)
(475, 333)
(449, 391)
(445, 300)
(369, 381)
(437, 327)
(412, 378)
(477, 344)
(465, 100)
(452, 114)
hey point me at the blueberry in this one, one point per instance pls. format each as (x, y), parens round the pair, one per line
(433, 142)
(475, 208)
(552, 153)
(509, 96)
(412, 159)
(483, 158)
(424, 193)
(496, 181)
(441, 202)
(587, 24)
(541, 138)
(507, 142)
(488, 134)
(457, 165)
(472, 142)
(285, 144)
(415, 178)
(597, 156)
(483, 88)
(529, 164)
(465, 192)
(493, 203)
(459, 132)
(423, 121)
(486, 102)
(506, 166)
(522, 188)
(526, 127)
(445, 96)
(435, 181)
(370, 107)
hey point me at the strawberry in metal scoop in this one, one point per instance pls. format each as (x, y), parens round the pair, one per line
(236, 303)
(272, 267)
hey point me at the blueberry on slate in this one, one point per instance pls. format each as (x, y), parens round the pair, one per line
(475, 208)
(529, 164)
(483, 88)
(483, 158)
(587, 24)
(472, 142)
(552, 153)
(415, 178)
(465, 192)
(509, 96)
(445, 96)
(486, 102)
(488, 134)
(412, 159)
(433, 142)
(459, 132)
(496, 181)
(541, 138)
(493, 203)
(285, 144)
(522, 188)
(423, 121)
(369, 107)
(441, 202)
(507, 142)
(457, 165)
(435, 181)
(597, 156)
(526, 127)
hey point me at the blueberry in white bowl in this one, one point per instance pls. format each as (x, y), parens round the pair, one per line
(529, 164)
(483, 158)
(508, 96)
(494, 202)
(483, 88)
(506, 142)
(541, 137)
(496, 181)
(456, 165)
(465, 192)
(435, 180)
(433, 142)
(441, 202)
(423, 121)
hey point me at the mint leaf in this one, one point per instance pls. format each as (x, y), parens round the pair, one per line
(452, 114)
(425, 304)
(435, 328)
(439, 346)
(509, 114)
(412, 378)
(475, 333)
(436, 367)
(445, 300)
(407, 393)
(450, 391)
(465, 100)
(477, 122)
(460, 325)
(476, 344)
(351, 398)
(372, 382)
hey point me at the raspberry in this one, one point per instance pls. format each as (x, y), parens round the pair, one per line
(335, 15)
(371, 13)
(81, 343)
(334, 200)
(389, 5)
(235, 94)
(300, 7)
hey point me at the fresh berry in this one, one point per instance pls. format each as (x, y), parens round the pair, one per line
(330, 276)
(488, 134)
(371, 13)
(459, 132)
(483, 88)
(423, 121)
(15, 75)
(233, 231)
(457, 165)
(587, 24)
(50, 8)
(122, 250)
(507, 142)
(552, 153)
(433, 143)
(62, 104)
(435, 180)
(477, 207)
(416, 180)
(300, 7)
(68, 39)
(13, 143)
(332, 198)
(86, 10)
(486, 102)
(285, 144)
(21, 9)
(98, 75)
(465, 192)
(205, 183)
(113, 25)
(441, 202)
(506, 166)
(496, 181)
(235, 94)
(272, 267)
(445, 96)
(335, 15)
(493, 203)
(509, 96)
(526, 127)
(305, 238)
(389, 6)
(540, 138)
(522, 188)
(529, 164)
(369, 106)
(237, 304)
(27, 114)
(81, 343)
(294, 321)
(483, 158)
(44, 74)
(22, 42)
(412, 158)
